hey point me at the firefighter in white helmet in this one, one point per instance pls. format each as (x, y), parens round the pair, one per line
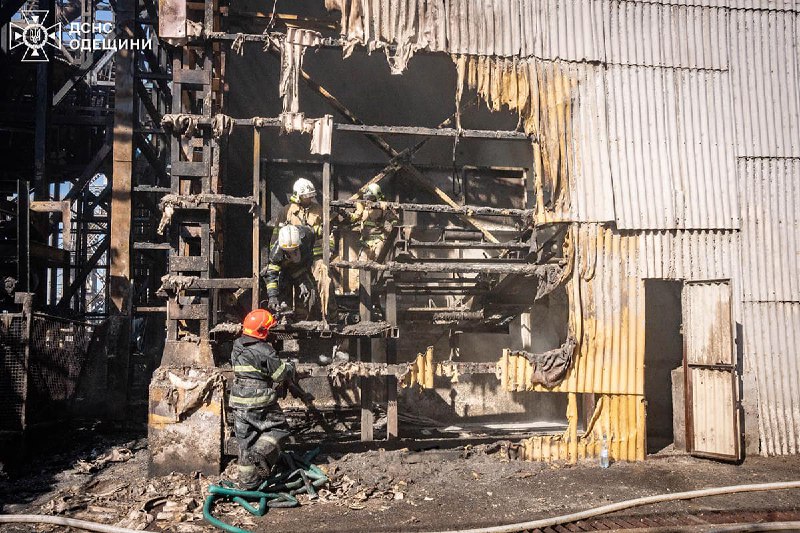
(304, 210)
(289, 272)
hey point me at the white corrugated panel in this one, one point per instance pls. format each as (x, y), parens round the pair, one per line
(550, 29)
(770, 204)
(591, 190)
(688, 255)
(734, 4)
(671, 163)
(639, 33)
(771, 341)
(766, 82)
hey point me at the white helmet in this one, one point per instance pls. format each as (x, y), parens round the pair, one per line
(289, 237)
(374, 191)
(303, 188)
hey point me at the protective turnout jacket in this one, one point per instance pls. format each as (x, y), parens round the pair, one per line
(279, 264)
(297, 215)
(373, 223)
(257, 372)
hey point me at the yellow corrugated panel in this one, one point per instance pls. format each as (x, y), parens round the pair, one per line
(606, 298)
(422, 370)
(621, 418)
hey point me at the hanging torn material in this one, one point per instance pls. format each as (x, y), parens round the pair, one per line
(321, 130)
(293, 48)
(351, 24)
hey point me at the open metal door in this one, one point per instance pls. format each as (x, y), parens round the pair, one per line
(712, 398)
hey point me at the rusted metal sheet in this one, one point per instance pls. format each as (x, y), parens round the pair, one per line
(672, 152)
(770, 207)
(765, 74)
(771, 338)
(712, 400)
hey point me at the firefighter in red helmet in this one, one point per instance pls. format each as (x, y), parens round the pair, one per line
(259, 423)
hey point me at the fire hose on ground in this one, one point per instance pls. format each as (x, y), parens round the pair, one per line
(300, 486)
(627, 504)
(278, 490)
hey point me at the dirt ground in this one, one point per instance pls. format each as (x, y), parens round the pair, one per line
(95, 475)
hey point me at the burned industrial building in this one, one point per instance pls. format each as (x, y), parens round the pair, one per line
(562, 231)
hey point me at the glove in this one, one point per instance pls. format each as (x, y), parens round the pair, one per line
(305, 293)
(273, 304)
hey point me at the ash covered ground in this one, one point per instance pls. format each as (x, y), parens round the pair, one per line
(94, 474)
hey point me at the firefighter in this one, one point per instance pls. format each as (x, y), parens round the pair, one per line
(303, 210)
(259, 423)
(373, 223)
(289, 274)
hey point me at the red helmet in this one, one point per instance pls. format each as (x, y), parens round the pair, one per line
(257, 323)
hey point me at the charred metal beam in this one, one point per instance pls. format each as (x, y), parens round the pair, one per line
(150, 189)
(437, 132)
(202, 201)
(526, 269)
(151, 156)
(460, 245)
(88, 172)
(374, 130)
(177, 283)
(470, 210)
(151, 246)
(80, 277)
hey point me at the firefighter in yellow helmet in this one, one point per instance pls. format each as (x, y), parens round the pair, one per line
(258, 421)
(374, 223)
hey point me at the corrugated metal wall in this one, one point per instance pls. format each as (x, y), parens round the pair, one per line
(770, 202)
(765, 73)
(770, 192)
(672, 153)
(771, 340)
(677, 120)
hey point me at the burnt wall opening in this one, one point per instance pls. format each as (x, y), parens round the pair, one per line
(663, 354)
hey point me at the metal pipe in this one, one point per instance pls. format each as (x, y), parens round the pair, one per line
(275, 122)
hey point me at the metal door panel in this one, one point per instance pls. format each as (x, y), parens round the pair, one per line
(712, 399)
